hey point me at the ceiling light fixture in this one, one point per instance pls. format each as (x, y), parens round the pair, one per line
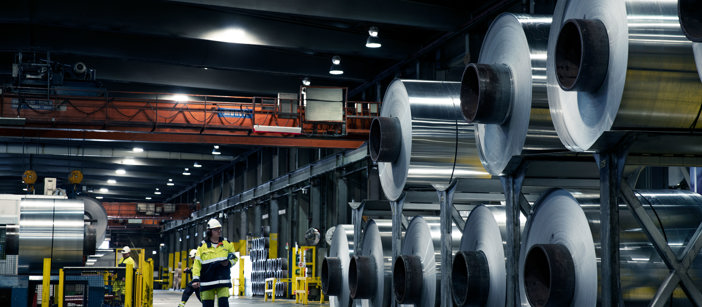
(197, 164)
(120, 172)
(138, 149)
(147, 197)
(99, 197)
(336, 69)
(180, 97)
(306, 81)
(186, 172)
(157, 192)
(170, 182)
(373, 41)
(129, 161)
(215, 150)
(104, 190)
(111, 181)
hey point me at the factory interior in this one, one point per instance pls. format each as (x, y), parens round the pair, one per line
(351, 153)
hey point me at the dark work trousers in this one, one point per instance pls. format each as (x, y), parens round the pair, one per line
(189, 291)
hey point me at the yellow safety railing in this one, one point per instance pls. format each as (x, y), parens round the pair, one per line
(267, 290)
(46, 283)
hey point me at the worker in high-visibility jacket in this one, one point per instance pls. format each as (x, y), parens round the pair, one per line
(126, 259)
(213, 260)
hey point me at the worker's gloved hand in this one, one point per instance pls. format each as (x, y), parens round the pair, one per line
(224, 262)
(195, 283)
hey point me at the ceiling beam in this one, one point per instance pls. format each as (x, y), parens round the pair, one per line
(318, 142)
(396, 12)
(104, 152)
(181, 52)
(187, 21)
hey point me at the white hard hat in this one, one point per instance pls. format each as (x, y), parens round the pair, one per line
(193, 252)
(213, 223)
(126, 250)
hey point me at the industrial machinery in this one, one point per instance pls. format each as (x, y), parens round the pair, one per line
(35, 228)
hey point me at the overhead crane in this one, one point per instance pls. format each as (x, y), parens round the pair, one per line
(289, 120)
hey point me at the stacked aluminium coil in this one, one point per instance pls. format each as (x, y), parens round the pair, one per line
(417, 271)
(561, 244)
(478, 275)
(620, 65)
(421, 138)
(370, 270)
(335, 267)
(277, 268)
(504, 94)
(259, 258)
(689, 12)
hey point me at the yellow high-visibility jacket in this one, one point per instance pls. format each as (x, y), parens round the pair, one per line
(209, 269)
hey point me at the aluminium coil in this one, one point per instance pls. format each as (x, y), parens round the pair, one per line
(370, 271)
(561, 219)
(52, 228)
(421, 138)
(417, 271)
(335, 267)
(478, 275)
(627, 66)
(504, 93)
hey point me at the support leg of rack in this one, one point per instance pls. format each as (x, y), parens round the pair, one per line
(446, 204)
(512, 186)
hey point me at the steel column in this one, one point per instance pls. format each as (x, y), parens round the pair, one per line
(512, 186)
(446, 222)
(397, 225)
(611, 165)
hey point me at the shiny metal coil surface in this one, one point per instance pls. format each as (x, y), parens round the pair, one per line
(518, 42)
(377, 244)
(423, 239)
(484, 231)
(342, 248)
(564, 217)
(437, 145)
(650, 82)
(50, 228)
(98, 217)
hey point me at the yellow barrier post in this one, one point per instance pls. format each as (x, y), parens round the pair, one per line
(171, 268)
(273, 246)
(59, 296)
(128, 281)
(148, 300)
(242, 280)
(46, 283)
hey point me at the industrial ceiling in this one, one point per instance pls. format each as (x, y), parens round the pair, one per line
(214, 47)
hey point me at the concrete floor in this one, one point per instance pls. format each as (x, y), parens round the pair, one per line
(171, 298)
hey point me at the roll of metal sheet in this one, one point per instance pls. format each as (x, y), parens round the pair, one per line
(370, 271)
(97, 215)
(50, 228)
(478, 275)
(417, 272)
(431, 144)
(560, 220)
(504, 94)
(689, 12)
(627, 66)
(335, 267)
